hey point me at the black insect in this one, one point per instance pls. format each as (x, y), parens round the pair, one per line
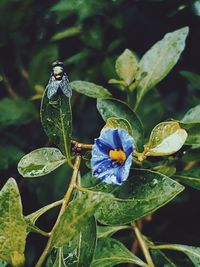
(58, 81)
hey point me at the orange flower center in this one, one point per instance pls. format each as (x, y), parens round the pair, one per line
(117, 155)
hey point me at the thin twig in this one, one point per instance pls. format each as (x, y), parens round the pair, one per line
(144, 247)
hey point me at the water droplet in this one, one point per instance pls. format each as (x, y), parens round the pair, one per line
(154, 182)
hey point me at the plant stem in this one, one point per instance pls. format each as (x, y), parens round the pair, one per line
(65, 202)
(35, 215)
(143, 245)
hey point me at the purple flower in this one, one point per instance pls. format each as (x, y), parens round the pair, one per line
(112, 155)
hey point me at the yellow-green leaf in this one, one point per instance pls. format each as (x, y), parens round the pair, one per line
(127, 66)
(12, 225)
(166, 138)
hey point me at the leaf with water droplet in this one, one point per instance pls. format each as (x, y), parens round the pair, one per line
(166, 138)
(90, 89)
(57, 122)
(110, 252)
(160, 59)
(12, 225)
(144, 192)
(74, 218)
(118, 123)
(41, 162)
(114, 108)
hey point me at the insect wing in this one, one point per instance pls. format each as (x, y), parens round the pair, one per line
(52, 87)
(65, 86)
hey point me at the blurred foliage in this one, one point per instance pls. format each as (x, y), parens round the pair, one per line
(88, 36)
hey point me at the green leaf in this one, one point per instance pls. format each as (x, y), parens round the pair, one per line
(190, 177)
(119, 123)
(115, 108)
(191, 122)
(12, 225)
(3, 263)
(90, 89)
(192, 116)
(107, 231)
(75, 217)
(41, 162)
(16, 112)
(192, 252)
(166, 138)
(166, 170)
(59, 262)
(144, 192)
(57, 122)
(110, 252)
(192, 77)
(127, 66)
(79, 252)
(40, 62)
(160, 59)
(72, 31)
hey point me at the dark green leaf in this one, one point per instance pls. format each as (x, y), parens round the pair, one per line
(160, 59)
(39, 71)
(192, 252)
(57, 122)
(115, 108)
(143, 193)
(160, 259)
(9, 155)
(16, 112)
(90, 89)
(192, 77)
(41, 162)
(12, 225)
(110, 252)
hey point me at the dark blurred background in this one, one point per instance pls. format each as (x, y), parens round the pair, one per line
(88, 36)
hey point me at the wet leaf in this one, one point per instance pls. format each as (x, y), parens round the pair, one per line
(118, 123)
(12, 225)
(110, 252)
(144, 192)
(166, 138)
(90, 89)
(57, 122)
(160, 59)
(76, 216)
(79, 252)
(115, 108)
(127, 66)
(41, 162)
